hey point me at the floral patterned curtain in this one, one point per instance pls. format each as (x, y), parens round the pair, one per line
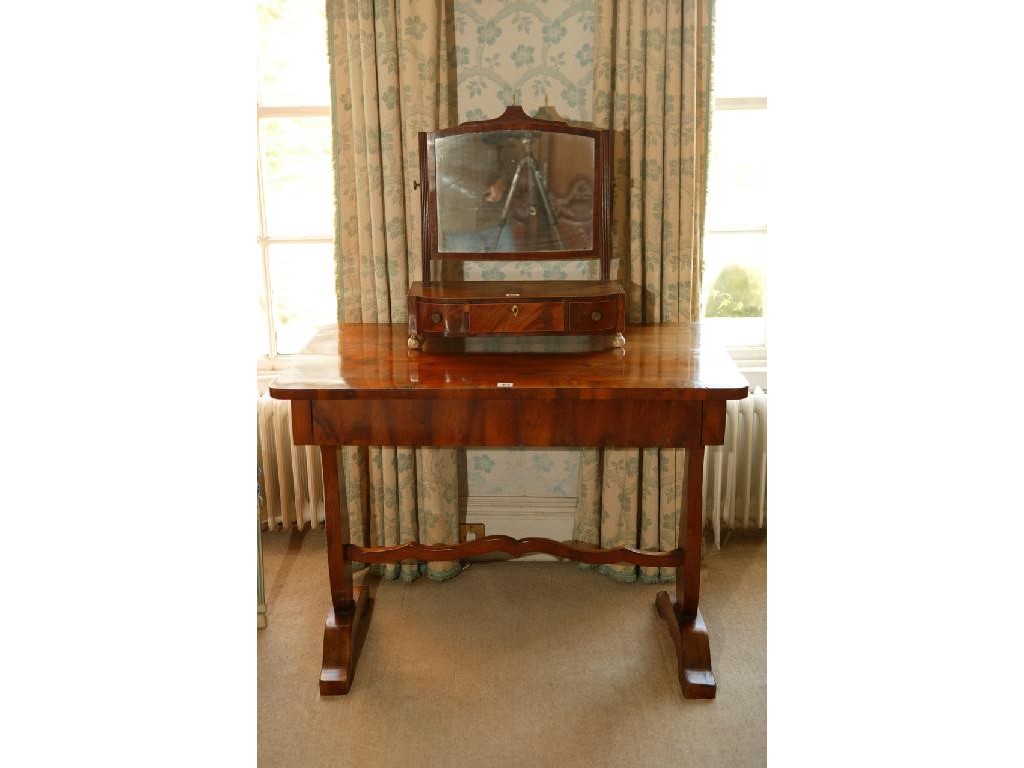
(392, 75)
(652, 88)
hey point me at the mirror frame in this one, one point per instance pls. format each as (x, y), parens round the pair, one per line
(515, 119)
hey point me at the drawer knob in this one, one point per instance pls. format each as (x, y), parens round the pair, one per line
(595, 315)
(515, 310)
(435, 317)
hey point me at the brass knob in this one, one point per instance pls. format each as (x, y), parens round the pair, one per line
(435, 317)
(515, 310)
(595, 316)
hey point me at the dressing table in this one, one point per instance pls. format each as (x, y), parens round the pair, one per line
(502, 363)
(360, 385)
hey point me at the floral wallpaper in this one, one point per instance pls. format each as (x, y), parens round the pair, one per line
(526, 52)
(515, 472)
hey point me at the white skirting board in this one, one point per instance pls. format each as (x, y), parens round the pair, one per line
(521, 516)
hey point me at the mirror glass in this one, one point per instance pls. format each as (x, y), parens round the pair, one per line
(514, 192)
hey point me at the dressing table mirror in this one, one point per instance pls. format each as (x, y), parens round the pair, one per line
(515, 188)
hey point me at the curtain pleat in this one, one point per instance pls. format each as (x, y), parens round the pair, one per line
(652, 64)
(391, 71)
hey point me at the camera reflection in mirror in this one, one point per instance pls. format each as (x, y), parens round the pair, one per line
(514, 192)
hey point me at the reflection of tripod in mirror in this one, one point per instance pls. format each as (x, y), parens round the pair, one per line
(530, 164)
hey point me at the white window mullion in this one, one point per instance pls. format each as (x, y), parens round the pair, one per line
(302, 110)
(740, 230)
(744, 102)
(296, 240)
(268, 294)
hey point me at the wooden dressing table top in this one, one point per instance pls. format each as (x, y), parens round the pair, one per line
(370, 361)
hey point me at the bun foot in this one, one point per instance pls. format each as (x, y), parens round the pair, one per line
(619, 340)
(414, 342)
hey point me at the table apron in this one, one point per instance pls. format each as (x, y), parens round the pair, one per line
(510, 423)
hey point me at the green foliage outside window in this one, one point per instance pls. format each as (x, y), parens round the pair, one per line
(736, 292)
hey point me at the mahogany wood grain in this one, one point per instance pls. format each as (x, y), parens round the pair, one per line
(713, 423)
(688, 574)
(428, 203)
(541, 307)
(517, 316)
(349, 604)
(373, 361)
(344, 634)
(348, 616)
(302, 422)
(571, 550)
(693, 651)
(603, 209)
(504, 290)
(507, 422)
(339, 568)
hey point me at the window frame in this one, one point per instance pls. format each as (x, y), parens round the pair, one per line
(274, 360)
(752, 360)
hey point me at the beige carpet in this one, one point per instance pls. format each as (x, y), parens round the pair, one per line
(512, 664)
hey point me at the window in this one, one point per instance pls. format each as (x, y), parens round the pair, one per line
(294, 176)
(736, 223)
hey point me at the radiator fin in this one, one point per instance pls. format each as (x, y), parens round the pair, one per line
(735, 473)
(292, 476)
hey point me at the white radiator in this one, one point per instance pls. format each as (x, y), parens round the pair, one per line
(293, 490)
(736, 473)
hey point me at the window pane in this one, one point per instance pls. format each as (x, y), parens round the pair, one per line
(262, 340)
(737, 172)
(303, 286)
(292, 53)
(734, 274)
(262, 337)
(298, 182)
(742, 35)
